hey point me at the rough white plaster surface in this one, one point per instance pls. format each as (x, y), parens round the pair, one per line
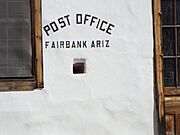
(114, 97)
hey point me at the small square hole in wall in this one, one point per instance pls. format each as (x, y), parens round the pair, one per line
(79, 66)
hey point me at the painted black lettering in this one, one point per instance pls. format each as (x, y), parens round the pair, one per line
(98, 23)
(98, 43)
(84, 44)
(57, 44)
(102, 43)
(101, 27)
(93, 44)
(67, 18)
(109, 28)
(73, 44)
(53, 45)
(62, 22)
(46, 44)
(93, 20)
(79, 18)
(47, 29)
(61, 44)
(78, 44)
(67, 44)
(107, 43)
(54, 26)
(86, 18)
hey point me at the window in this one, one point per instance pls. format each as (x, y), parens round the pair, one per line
(167, 63)
(20, 45)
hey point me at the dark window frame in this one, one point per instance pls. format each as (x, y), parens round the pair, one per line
(30, 83)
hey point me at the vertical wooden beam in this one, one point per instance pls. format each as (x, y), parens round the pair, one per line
(170, 125)
(178, 124)
(158, 56)
(38, 43)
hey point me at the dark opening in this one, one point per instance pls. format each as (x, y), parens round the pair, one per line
(79, 66)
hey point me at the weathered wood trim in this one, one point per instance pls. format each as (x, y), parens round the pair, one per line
(178, 124)
(172, 105)
(172, 91)
(38, 43)
(170, 125)
(17, 85)
(158, 56)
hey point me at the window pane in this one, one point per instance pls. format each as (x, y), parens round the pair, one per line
(3, 11)
(178, 11)
(168, 42)
(3, 59)
(178, 40)
(169, 72)
(15, 39)
(178, 72)
(18, 8)
(167, 11)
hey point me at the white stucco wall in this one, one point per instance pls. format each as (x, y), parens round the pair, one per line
(114, 97)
